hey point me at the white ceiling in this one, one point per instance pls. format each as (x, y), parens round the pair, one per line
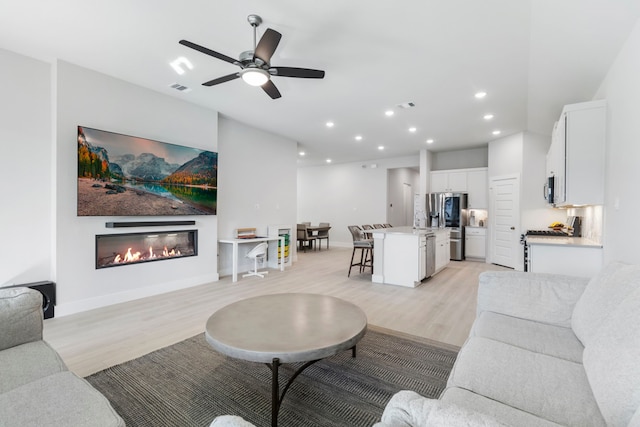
(530, 56)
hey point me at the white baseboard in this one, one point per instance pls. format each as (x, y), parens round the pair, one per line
(106, 300)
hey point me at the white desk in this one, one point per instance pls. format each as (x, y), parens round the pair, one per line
(234, 250)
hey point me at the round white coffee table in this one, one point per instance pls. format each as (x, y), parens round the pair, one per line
(286, 328)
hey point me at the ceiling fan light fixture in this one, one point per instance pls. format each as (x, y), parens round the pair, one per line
(255, 76)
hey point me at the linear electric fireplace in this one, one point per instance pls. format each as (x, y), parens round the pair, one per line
(113, 250)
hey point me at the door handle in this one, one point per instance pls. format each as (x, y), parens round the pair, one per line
(513, 228)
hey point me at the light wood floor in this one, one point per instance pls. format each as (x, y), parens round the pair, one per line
(441, 309)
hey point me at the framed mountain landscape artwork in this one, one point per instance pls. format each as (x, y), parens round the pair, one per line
(121, 175)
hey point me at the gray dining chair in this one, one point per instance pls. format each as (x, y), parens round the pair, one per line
(323, 235)
(304, 237)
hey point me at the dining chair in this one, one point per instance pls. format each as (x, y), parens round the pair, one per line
(387, 225)
(323, 235)
(304, 237)
(378, 226)
(258, 252)
(366, 250)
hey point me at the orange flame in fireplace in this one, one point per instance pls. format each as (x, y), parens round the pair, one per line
(137, 256)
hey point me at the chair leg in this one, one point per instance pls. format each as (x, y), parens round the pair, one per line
(351, 262)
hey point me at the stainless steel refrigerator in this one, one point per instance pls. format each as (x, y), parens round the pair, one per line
(449, 210)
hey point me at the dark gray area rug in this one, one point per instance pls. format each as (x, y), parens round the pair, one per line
(189, 384)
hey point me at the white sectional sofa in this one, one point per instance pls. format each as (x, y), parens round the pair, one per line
(544, 350)
(36, 388)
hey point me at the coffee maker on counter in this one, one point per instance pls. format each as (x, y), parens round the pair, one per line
(575, 226)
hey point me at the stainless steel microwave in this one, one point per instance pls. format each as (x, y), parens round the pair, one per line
(549, 190)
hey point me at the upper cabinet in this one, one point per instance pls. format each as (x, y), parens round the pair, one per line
(448, 181)
(472, 181)
(478, 189)
(576, 156)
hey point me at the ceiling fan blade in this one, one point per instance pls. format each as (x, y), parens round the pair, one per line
(305, 73)
(221, 79)
(267, 45)
(271, 90)
(208, 52)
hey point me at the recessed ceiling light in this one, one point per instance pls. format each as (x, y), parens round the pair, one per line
(380, 147)
(358, 137)
(488, 116)
(302, 153)
(480, 95)
(330, 124)
(177, 65)
(496, 132)
(429, 141)
(328, 160)
(388, 113)
(412, 129)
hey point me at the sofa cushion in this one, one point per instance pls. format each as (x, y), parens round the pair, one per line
(612, 365)
(541, 297)
(20, 316)
(61, 399)
(605, 291)
(26, 363)
(542, 338)
(548, 387)
(499, 411)
(408, 409)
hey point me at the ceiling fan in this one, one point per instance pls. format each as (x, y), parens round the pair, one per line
(256, 69)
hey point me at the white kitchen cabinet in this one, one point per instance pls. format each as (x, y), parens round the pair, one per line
(576, 156)
(443, 248)
(449, 181)
(475, 243)
(582, 261)
(478, 189)
(400, 256)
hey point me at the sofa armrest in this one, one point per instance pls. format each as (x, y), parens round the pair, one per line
(20, 316)
(546, 298)
(409, 409)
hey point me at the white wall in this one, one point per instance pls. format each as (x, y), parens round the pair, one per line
(26, 170)
(536, 213)
(460, 159)
(621, 89)
(257, 178)
(346, 194)
(399, 210)
(88, 98)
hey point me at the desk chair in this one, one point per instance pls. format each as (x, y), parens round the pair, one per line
(323, 235)
(260, 251)
(366, 250)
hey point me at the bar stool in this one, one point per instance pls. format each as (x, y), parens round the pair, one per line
(366, 250)
(367, 235)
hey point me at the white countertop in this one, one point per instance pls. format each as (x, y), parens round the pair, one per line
(406, 230)
(563, 241)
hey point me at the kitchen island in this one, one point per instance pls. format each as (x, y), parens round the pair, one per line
(405, 256)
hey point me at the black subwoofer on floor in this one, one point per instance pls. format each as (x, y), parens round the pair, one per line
(48, 291)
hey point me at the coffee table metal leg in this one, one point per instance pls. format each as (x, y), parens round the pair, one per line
(275, 392)
(276, 396)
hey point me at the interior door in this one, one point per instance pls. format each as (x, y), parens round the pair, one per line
(504, 217)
